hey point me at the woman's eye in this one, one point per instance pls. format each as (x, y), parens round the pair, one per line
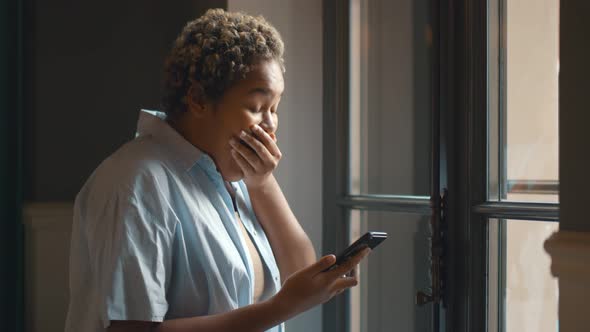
(260, 110)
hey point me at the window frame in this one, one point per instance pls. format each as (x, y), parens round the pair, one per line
(464, 91)
(337, 200)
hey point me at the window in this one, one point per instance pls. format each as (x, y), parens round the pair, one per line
(429, 98)
(523, 160)
(379, 159)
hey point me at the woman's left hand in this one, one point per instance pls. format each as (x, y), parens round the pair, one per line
(260, 160)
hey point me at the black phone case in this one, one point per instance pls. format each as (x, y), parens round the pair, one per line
(369, 239)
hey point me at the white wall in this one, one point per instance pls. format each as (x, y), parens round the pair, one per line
(300, 117)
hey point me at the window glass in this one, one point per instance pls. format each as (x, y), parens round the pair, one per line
(524, 67)
(523, 294)
(384, 300)
(390, 97)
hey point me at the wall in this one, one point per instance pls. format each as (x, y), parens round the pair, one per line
(300, 117)
(573, 116)
(92, 66)
(47, 248)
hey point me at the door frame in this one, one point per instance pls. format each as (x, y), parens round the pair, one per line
(12, 47)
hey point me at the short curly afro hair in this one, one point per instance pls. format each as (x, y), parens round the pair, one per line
(216, 50)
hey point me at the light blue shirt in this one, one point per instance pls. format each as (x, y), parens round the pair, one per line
(155, 237)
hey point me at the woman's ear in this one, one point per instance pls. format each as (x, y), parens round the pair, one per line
(196, 100)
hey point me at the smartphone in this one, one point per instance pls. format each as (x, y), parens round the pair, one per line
(370, 239)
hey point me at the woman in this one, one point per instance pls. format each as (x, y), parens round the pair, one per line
(185, 228)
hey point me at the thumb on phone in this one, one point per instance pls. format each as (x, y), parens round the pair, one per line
(322, 264)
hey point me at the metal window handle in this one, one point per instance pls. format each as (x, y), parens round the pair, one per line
(423, 298)
(436, 292)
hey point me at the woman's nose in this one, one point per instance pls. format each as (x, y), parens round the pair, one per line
(268, 123)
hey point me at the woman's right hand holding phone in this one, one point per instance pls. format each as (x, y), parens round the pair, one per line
(310, 286)
(301, 291)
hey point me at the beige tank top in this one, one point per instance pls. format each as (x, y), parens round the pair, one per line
(256, 262)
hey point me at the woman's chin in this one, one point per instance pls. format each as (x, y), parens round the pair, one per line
(233, 174)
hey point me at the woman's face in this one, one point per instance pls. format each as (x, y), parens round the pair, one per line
(251, 101)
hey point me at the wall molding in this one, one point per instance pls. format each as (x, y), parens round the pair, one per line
(48, 215)
(47, 239)
(570, 258)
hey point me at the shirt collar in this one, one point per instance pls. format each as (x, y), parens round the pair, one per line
(152, 123)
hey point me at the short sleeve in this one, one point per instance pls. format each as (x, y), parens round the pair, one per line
(131, 252)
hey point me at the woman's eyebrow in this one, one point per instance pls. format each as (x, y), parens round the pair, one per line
(264, 91)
